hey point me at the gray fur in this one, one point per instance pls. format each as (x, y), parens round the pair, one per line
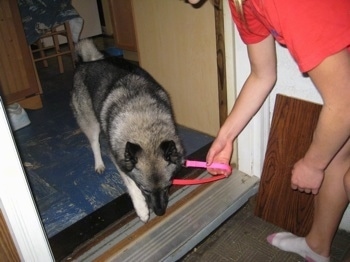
(135, 114)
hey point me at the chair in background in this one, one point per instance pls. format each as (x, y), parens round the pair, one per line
(53, 50)
(63, 30)
(49, 19)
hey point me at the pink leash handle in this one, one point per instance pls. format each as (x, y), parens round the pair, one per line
(201, 164)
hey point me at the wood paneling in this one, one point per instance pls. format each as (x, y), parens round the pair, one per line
(291, 134)
(123, 24)
(177, 46)
(8, 251)
(17, 73)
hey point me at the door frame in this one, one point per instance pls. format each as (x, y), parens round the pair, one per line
(17, 201)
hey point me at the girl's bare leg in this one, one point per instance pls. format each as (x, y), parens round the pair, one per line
(330, 204)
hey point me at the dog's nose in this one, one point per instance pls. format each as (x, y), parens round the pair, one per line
(159, 211)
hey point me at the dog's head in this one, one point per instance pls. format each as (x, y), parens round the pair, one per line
(153, 170)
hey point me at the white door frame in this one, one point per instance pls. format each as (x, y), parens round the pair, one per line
(17, 202)
(251, 143)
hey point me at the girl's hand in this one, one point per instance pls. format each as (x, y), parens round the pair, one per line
(306, 178)
(219, 152)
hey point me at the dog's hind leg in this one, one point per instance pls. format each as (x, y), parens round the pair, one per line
(137, 198)
(93, 134)
(91, 128)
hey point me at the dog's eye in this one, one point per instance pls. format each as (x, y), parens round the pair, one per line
(145, 191)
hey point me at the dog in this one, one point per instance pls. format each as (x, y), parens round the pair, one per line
(134, 112)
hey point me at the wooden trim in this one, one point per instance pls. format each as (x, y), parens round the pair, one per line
(8, 251)
(31, 102)
(221, 60)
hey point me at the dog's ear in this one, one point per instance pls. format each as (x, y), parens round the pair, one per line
(170, 151)
(130, 158)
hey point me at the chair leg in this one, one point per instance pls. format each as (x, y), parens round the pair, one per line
(57, 49)
(70, 42)
(36, 70)
(54, 33)
(42, 52)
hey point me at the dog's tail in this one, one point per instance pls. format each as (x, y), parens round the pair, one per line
(87, 51)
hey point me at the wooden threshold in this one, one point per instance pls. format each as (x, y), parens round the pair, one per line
(115, 233)
(191, 218)
(193, 213)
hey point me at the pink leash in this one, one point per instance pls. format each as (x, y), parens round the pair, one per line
(201, 164)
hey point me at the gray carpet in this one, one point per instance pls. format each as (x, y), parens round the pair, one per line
(243, 238)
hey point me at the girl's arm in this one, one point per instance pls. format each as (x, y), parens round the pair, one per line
(262, 57)
(332, 79)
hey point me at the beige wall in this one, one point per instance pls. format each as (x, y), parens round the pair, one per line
(177, 45)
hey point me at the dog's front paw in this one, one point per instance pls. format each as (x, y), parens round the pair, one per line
(143, 213)
(100, 168)
(141, 208)
(137, 198)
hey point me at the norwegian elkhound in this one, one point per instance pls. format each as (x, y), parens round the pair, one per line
(135, 114)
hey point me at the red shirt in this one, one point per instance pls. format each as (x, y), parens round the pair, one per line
(311, 29)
